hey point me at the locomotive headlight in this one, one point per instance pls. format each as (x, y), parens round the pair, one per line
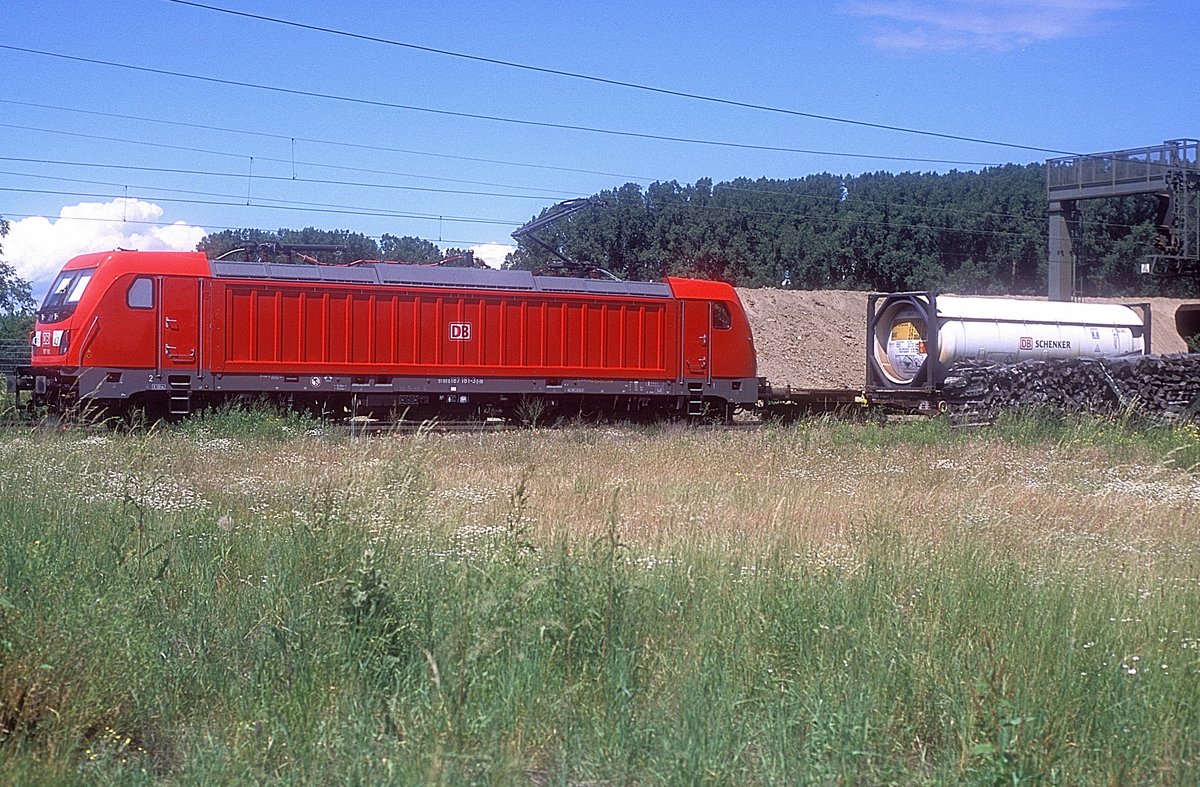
(59, 340)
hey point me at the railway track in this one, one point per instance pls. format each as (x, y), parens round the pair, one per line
(366, 427)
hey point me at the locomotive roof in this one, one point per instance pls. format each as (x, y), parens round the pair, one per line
(421, 276)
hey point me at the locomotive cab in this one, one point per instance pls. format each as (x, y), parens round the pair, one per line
(719, 362)
(105, 316)
(54, 342)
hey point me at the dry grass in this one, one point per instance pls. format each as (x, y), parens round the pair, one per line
(825, 602)
(819, 488)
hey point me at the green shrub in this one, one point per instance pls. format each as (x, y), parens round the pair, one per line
(251, 419)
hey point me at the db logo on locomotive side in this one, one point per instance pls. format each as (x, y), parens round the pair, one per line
(1026, 342)
(460, 331)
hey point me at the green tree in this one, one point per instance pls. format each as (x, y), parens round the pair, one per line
(408, 249)
(16, 296)
(218, 244)
(973, 232)
(1114, 235)
(16, 312)
(358, 246)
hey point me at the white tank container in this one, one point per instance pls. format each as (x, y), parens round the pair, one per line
(1003, 330)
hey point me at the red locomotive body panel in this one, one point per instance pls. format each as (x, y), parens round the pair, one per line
(330, 328)
(173, 327)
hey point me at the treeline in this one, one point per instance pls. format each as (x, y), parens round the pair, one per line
(971, 232)
(358, 246)
(16, 312)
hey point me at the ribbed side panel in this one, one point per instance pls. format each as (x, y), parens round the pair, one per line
(390, 331)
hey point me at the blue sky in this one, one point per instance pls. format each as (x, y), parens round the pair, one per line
(1063, 75)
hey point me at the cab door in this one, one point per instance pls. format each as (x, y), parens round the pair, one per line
(179, 324)
(697, 340)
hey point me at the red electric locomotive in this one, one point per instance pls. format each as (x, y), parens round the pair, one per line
(173, 331)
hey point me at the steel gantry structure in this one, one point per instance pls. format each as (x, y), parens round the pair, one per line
(1170, 171)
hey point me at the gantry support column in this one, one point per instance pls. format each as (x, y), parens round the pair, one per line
(1064, 222)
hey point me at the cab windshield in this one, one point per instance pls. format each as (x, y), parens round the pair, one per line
(64, 295)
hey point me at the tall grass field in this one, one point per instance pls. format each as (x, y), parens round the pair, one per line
(255, 598)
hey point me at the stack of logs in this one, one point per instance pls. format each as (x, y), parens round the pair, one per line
(1166, 386)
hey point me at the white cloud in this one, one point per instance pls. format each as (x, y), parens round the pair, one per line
(37, 247)
(994, 25)
(493, 253)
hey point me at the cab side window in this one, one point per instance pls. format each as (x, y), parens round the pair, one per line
(141, 293)
(720, 316)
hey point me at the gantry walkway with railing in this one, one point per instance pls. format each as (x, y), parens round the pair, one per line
(1170, 171)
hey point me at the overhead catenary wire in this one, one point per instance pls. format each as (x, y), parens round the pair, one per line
(293, 161)
(318, 141)
(410, 151)
(224, 153)
(244, 156)
(234, 228)
(268, 202)
(442, 112)
(292, 138)
(239, 201)
(546, 193)
(621, 83)
(544, 196)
